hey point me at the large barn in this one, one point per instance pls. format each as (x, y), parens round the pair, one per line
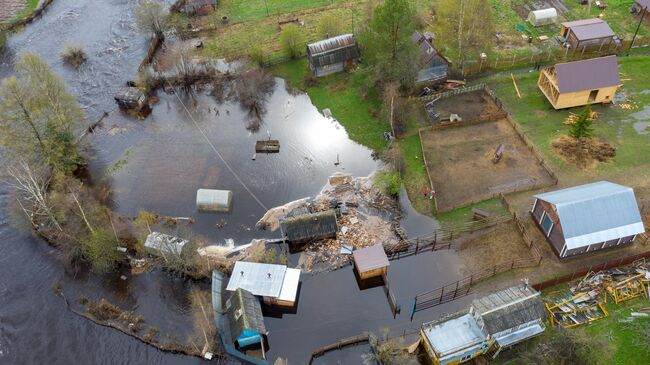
(578, 83)
(332, 55)
(588, 218)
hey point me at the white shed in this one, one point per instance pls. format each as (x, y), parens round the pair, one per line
(542, 17)
(211, 200)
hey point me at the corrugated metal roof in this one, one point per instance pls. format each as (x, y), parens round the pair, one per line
(260, 279)
(595, 212)
(509, 308)
(333, 50)
(308, 227)
(244, 313)
(454, 334)
(290, 285)
(589, 74)
(370, 258)
(590, 29)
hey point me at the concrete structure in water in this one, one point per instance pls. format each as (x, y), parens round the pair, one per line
(579, 83)
(588, 218)
(274, 284)
(332, 55)
(492, 323)
(371, 262)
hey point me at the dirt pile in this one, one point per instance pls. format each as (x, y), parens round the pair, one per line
(585, 152)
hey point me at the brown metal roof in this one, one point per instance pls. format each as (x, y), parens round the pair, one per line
(590, 74)
(590, 29)
(370, 258)
(644, 3)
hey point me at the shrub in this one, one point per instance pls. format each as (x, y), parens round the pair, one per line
(74, 56)
(329, 25)
(291, 40)
(389, 183)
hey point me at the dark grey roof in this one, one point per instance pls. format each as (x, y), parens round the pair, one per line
(509, 308)
(308, 227)
(244, 312)
(333, 50)
(370, 258)
(590, 74)
(128, 93)
(590, 29)
(427, 51)
(595, 212)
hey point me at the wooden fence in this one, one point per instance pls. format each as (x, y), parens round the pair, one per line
(151, 52)
(337, 346)
(533, 245)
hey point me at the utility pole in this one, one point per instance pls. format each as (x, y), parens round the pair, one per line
(637, 29)
(460, 29)
(267, 7)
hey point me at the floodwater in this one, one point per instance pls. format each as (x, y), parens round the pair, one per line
(168, 159)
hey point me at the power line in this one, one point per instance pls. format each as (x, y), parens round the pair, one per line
(217, 151)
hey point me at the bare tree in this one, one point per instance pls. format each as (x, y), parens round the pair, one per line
(152, 17)
(253, 88)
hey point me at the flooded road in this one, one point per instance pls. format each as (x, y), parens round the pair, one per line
(168, 160)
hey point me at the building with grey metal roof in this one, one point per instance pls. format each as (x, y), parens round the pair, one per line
(332, 55)
(371, 261)
(588, 217)
(276, 284)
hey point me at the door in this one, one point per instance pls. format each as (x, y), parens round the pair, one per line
(593, 94)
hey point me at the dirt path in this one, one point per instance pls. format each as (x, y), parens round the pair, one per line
(9, 8)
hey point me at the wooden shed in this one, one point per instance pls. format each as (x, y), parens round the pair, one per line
(245, 320)
(578, 83)
(310, 227)
(435, 67)
(199, 7)
(371, 262)
(332, 55)
(589, 33)
(130, 98)
(588, 218)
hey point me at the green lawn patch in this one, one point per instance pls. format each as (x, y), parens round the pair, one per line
(246, 10)
(464, 214)
(415, 174)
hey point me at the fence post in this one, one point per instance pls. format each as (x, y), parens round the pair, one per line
(513, 60)
(415, 300)
(417, 245)
(456, 291)
(442, 291)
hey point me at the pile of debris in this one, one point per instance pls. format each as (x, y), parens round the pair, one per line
(585, 303)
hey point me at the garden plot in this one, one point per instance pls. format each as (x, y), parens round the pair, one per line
(460, 165)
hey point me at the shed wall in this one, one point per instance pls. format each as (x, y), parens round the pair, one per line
(569, 100)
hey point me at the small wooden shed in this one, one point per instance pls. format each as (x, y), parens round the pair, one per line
(245, 320)
(130, 98)
(588, 217)
(578, 83)
(199, 7)
(310, 227)
(332, 55)
(371, 261)
(587, 33)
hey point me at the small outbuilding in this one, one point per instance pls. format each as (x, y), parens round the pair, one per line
(274, 284)
(160, 244)
(435, 67)
(371, 261)
(542, 17)
(588, 218)
(587, 33)
(245, 319)
(310, 227)
(130, 98)
(211, 200)
(579, 83)
(332, 55)
(199, 7)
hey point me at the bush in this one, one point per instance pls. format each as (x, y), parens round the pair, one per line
(581, 127)
(389, 183)
(256, 54)
(100, 248)
(74, 56)
(329, 25)
(291, 40)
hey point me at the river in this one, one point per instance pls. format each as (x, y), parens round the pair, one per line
(168, 160)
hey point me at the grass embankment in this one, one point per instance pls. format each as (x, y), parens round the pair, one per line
(30, 6)
(615, 124)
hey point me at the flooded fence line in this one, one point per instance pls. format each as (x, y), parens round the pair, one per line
(354, 340)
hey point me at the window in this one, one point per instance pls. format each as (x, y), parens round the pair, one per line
(547, 224)
(593, 94)
(238, 313)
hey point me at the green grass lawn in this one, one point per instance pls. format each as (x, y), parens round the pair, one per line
(246, 10)
(617, 15)
(345, 95)
(616, 125)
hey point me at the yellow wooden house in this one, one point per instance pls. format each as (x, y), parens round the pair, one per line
(571, 84)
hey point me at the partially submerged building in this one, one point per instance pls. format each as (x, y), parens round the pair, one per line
(497, 321)
(538, 18)
(588, 218)
(309, 227)
(160, 244)
(274, 284)
(130, 98)
(212, 200)
(587, 33)
(371, 261)
(578, 83)
(332, 55)
(435, 67)
(245, 320)
(199, 7)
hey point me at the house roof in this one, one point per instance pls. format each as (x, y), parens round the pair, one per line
(289, 289)
(128, 93)
(310, 226)
(595, 212)
(370, 258)
(454, 334)
(590, 29)
(244, 313)
(509, 308)
(260, 279)
(589, 74)
(333, 50)
(427, 51)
